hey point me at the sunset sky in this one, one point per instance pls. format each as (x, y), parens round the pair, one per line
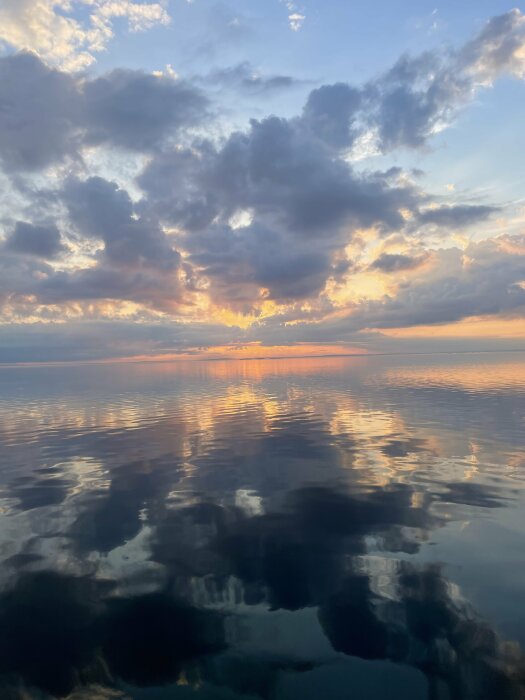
(255, 178)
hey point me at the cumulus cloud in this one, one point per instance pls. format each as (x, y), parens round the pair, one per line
(330, 112)
(137, 111)
(68, 33)
(49, 115)
(41, 241)
(40, 113)
(100, 209)
(305, 205)
(420, 95)
(240, 262)
(484, 279)
(137, 262)
(280, 171)
(275, 212)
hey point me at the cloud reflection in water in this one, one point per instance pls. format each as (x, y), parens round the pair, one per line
(175, 530)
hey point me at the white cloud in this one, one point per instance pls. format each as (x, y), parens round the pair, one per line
(51, 28)
(296, 17)
(296, 21)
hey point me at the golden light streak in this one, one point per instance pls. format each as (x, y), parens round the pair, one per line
(255, 350)
(473, 327)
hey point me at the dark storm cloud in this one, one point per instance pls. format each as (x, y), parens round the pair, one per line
(42, 241)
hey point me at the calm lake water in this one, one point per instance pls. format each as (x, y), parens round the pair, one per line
(340, 528)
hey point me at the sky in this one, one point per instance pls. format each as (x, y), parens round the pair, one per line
(258, 178)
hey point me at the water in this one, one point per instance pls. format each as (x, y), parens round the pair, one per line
(332, 527)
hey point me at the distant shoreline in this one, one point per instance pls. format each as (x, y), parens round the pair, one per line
(160, 360)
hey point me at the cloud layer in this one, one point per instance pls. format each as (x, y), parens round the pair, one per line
(272, 232)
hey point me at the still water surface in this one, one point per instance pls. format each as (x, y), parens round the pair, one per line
(282, 529)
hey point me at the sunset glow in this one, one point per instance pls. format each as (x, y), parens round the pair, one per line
(198, 185)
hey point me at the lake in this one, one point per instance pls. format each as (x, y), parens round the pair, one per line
(340, 527)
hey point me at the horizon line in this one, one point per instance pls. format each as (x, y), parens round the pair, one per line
(160, 360)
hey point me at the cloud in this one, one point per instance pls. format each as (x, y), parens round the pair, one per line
(40, 114)
(50, 116)
(484, 279)
(296, 21)
(303, 202)
(102, 339)
(138, 111)
(296, 18)
(100, 209)
(244, 78)
(456, 216)
(301, 195)
(419, 96)
(497, 49)
(220, 32)
(279, 170)
(396, 262)
(273, 216)
(105, 283)
(138, 262)
(41, 241)
(240, 262)
(330, 111)
(51, 29)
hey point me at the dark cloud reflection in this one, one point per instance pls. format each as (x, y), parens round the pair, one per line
(233, 537)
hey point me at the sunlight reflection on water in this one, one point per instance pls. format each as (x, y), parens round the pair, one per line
(275, 529)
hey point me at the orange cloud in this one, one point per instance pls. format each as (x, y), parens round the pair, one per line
(473, 327)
